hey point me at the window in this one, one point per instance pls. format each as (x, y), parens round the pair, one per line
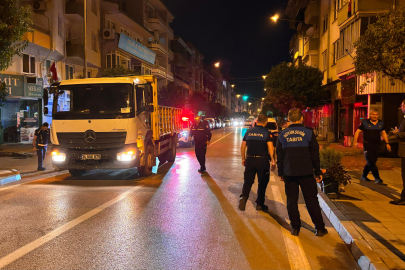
(335, 52)
(111, 25)
(94, 7)
(28, 64)
(47, 66)
(324, 60)
(93, 42)
(69, 71)
(112, 60)
(348, 36)
(60, 25)
(125, 32)
(325, 23)
(88, 73)
(335, 11)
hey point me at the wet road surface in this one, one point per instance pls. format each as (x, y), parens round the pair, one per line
(176, 219)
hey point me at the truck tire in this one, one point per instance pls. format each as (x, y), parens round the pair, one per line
(146, 170)
(171, 155)
(188, 145)
(77, 172)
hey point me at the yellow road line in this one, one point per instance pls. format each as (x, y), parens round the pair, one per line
(221, 138)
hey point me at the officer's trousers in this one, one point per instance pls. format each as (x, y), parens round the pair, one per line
(310, 192)
(261, 167)
(41, 152)
(200, 151)
(371, 154)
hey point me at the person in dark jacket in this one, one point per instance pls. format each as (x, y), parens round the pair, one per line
(202, 137)
(400, 134)
(297, 161)
(260, 151)
(40, 142)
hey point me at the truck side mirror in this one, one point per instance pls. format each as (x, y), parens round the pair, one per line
(46, 96)
(46, 111)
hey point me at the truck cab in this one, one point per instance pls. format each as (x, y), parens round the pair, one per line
(111, 123)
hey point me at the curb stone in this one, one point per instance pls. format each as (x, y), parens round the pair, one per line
(351, 234)
(9, 176)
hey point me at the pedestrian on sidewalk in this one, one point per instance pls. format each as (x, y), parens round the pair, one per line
(373, 129)
(260, 151)
(400, 134)
(297, 162)
(202, 137)
(40, 143)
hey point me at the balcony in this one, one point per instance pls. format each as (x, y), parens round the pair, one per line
(170, 54)
(39, 36)
(159, 71)
(363, 6)
(312, 13)
(75, 7)
(170, 32)
(158, 48)
(156, 23)
(75, 51)
(170, 76)
(311, 47)
(344, 65)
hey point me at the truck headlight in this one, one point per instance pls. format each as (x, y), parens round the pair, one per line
(126, 156)
(58, 157)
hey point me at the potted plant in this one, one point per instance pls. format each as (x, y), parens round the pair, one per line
(335, 176)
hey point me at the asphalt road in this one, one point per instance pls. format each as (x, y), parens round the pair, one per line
(176, 219)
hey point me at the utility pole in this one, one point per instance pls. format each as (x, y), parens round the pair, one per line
(85, 39)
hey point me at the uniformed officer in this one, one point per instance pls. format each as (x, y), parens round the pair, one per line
(260, 150)
(400, 134)
(297, 161)
(373, 129)
(202, 137)
(40, 142)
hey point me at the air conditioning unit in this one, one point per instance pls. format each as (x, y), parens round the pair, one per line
(108, 34)
(39, 6)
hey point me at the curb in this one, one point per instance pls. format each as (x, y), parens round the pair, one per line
(9, 176)
(351, 234)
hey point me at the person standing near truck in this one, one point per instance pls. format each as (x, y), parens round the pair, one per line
(400, 134)
(202, 137)
(40, 142)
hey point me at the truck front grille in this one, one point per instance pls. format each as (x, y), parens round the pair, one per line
(102, 140)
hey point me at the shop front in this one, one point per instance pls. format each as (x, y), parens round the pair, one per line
(21, 114)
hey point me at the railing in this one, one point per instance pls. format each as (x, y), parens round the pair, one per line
(75, 1)
(75, 41)
(41, 29)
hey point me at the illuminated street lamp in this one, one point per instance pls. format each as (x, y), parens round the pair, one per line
(276, 18)
(265, 89)
(238, 96)
(233, 86)
(217, 64)
(250, 103)
(264, 77)
(262, 98)
(258, 110)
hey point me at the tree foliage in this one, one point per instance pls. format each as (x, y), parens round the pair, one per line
(382, 47)
(290, 86)
(3, 93)
(14, 23)
(172, 96)
(117, 71)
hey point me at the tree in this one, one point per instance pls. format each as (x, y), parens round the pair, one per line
(117, 71)
(198, 102)
(290, 86)
(382, 47)
(172, 96)
(14, 23)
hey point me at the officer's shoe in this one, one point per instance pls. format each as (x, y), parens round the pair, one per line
(321, 232)
(365, 178)
(262, 207)
(201, 170)
(242, 202)
(295, 232)
(41, 168)
(379, 181)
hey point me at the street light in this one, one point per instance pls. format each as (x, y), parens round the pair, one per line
(250, 103)
(238, 96)
(217, 64)
(265, 89)
(262, 98)
(258, 110)
(264, 77)
(232, 85)
(275, 17)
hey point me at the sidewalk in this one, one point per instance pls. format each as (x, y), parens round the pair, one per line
(373, 228)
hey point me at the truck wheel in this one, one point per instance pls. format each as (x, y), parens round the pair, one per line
(147, 169)
(162, 158)
(188, 145)
(77, 172)
(171, 155)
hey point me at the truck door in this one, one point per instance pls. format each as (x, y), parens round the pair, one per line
(143, 94)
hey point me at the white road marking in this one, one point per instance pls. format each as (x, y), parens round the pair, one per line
(295, 252)
(58, 231)
(33, 180)
(221, 138)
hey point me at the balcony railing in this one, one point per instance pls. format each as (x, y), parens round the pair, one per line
(312, 13)
(75, 48)
(75, 7)
(40, 29)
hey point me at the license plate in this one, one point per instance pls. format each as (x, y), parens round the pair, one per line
(90, 156)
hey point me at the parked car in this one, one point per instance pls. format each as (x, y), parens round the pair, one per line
(227, 123)
(211, 122)
(218, 123)
(248, 123)
(237, 122)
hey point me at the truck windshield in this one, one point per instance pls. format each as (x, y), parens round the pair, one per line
(102, 101)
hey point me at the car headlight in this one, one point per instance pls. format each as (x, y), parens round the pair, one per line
(58, 157)
(126, 156)
(184, 134)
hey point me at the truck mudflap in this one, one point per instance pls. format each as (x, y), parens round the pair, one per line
(91, 160)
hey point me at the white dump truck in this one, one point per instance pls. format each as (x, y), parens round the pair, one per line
(111, 123)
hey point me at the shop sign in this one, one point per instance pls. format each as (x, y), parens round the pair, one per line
(129, 45)
(34, 89)
(14, 84)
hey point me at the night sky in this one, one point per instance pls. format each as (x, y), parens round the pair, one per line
(238, 33)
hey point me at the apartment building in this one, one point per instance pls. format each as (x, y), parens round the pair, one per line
(57, 37)
(325, 36)
(182, 67)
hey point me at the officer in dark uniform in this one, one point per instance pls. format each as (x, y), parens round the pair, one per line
(40, 142)
(260, 150)
(202, 137)
(373, 129)
(297, 162)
